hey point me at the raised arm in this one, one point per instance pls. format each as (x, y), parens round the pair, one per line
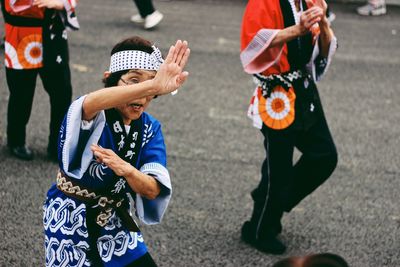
(169, 77)
(307, 20)
(51, 4)
(326, 33)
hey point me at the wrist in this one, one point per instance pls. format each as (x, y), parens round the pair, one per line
(127, 170)
(323, 23)
(300, 30)
(153, 87)
(58, 5)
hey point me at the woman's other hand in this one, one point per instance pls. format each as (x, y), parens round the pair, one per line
(111, 160)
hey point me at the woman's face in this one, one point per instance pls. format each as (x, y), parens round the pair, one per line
(134, 110)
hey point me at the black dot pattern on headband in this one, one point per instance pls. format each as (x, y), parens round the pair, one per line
(134, 59)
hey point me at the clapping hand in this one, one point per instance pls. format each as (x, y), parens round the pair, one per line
(51, 4)
(311, 16)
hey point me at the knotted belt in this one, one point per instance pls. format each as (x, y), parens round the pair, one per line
(103, 203)
(267, 83)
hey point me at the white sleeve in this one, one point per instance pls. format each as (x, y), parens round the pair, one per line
(75, 147)
(318, 66)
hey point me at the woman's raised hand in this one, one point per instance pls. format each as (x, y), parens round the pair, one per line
(309, 17)
(171, 76)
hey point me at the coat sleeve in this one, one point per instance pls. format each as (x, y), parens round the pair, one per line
(153, 162)
(75, 138)
(261, 22)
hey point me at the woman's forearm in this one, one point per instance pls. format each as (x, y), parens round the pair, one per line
(143, 184)
(287, 34)
(115, 96)
(325, 37)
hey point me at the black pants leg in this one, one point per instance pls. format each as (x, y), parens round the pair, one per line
(277, 168)
(21, 85)
(145, 7)
(318, 161)
(283, 185)
(57, 83)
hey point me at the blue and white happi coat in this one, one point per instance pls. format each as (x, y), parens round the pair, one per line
(66, 235)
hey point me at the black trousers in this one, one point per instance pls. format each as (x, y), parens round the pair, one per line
(21, 84)
(284, 184)
(145, 7)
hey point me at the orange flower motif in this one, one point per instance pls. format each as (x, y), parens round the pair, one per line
(277, 111)
(30, 51)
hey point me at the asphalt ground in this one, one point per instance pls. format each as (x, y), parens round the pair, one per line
(215, 154)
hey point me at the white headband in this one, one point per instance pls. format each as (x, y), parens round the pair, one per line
(135, 59)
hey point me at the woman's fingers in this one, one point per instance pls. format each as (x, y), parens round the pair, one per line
(170, 54)
(185, 58)
(182, 77)
(312, 16)
(181, 52)
(313, 11)
(178, 47)
(310, 3)
(312, 22)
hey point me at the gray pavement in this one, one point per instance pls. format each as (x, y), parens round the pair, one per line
(214, 152)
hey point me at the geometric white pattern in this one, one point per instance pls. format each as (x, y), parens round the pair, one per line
(117, 245)
(65, 253)
(62, 214)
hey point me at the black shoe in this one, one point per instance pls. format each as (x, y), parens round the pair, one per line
(270, 244)
(21, 152)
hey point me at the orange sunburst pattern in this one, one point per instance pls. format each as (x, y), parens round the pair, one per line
(30, 51)
(277, 111)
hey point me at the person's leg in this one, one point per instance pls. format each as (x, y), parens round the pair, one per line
(21, 85)
(57, 83)
(145, 261)
(148, 15)
(277, 171)
(318, 161)
(145, 7)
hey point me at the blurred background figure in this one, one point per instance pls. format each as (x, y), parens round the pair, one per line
(1, 31)
(315, 260)
(373, 8)
(148, 15)
(330, 15)
(36, 44)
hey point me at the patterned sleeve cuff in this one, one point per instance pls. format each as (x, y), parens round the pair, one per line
(258, 55)
(319, 65)
(73, 125)
(152, 211)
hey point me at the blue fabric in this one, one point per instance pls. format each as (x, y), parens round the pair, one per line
(64, 218)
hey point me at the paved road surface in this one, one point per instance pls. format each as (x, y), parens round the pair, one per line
(214, 152)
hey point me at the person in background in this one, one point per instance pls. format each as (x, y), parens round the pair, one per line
(1, 31)
(36, 44)
(148, 15)
(373, 8)
(287, 47)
